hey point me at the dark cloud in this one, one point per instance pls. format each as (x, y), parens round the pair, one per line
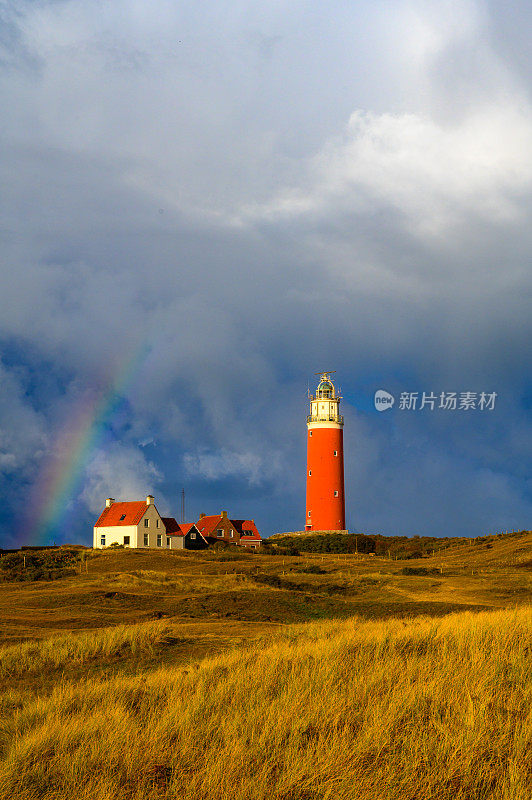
(229, 201)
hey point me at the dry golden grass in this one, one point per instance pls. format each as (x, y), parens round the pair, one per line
(126, 587)
(67, 650)
(423, 708)
(382, 696)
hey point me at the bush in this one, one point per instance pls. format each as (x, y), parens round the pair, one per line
(228, 553)
(314, 569)
(419, 571)
(41, 565)
(291, 550)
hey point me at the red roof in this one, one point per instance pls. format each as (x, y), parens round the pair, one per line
(174, 528)
(249, 530)
(245, 527)
(171, 526)
(129, 513)
(206, 525)
(185, 527)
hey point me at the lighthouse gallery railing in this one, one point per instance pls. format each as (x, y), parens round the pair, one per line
(339, 419)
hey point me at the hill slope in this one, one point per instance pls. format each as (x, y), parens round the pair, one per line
(163, 675)
(217, 599)
(395, 709)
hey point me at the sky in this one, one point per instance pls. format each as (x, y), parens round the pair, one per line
(203, 204)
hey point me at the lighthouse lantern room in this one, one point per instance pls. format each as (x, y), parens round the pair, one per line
(325, 459)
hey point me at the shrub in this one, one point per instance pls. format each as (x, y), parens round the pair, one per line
(41, 565)
(291, 550)
(228, 553)
(419, 571)
(314, 569)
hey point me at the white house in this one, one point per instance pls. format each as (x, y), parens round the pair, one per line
(138, 524)
(132, 524)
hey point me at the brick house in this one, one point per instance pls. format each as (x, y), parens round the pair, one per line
(219, 528)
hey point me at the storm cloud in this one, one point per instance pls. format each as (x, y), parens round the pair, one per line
(245, 195)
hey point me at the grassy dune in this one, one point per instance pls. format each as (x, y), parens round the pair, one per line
(251, 594)
(420, 708)
(61, 652)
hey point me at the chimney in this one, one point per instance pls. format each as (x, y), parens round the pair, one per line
(109, 502)
(201, 516)
(224, 514)
(149, 500)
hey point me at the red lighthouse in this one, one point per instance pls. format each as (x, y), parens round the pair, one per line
(325, 459)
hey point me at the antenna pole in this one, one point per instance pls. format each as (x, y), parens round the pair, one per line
(182, 505)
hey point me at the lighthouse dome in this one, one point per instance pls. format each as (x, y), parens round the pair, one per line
(325, 389)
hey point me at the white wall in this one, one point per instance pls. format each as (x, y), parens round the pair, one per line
(114, 534)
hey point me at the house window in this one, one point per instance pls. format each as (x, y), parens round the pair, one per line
(192, 535)
(146, 539)
(168, 541)
(335, 453)
(126, 540)
(122, 517)
(102, 540)
(220, 532)
(310, 472)
(156, 523)
(232, 534)
(146, 523)
(336, 492)
(159, 540)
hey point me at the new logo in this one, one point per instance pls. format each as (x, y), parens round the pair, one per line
(383, 400)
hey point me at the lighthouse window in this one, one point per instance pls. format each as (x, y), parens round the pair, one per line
(325, 389)
(336, 492)
(310, 433)
(335, 453)
(310, 472)
(309, 513)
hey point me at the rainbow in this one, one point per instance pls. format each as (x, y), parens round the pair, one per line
(52, 499)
